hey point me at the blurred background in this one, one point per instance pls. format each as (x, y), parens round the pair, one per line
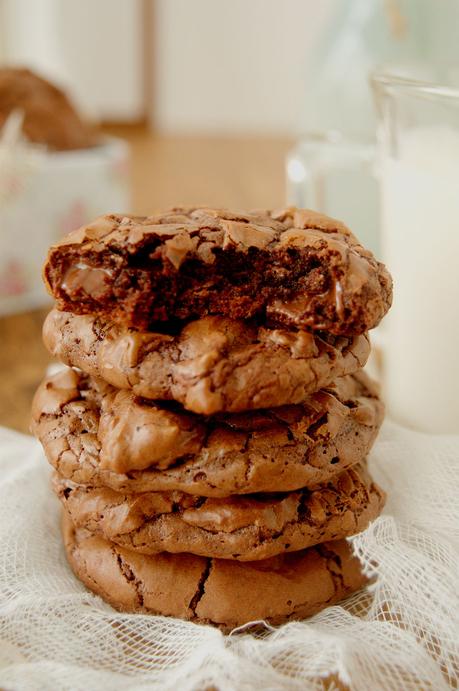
(242, 103)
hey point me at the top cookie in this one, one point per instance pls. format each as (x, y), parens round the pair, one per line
(294, 267)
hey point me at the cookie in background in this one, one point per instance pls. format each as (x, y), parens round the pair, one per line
(56, 172)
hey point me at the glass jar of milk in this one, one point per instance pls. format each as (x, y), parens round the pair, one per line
(418, 134)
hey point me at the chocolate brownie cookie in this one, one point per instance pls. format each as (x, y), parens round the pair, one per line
(49, 117)
(212, 364)
(295, 267)
(224, 593)
(245, 528)
(96, 435)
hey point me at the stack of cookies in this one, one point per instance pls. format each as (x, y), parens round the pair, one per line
(210, 434)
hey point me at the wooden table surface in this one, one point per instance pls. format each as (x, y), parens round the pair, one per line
(236, 172)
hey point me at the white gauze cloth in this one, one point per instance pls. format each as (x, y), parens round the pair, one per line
(401, 633)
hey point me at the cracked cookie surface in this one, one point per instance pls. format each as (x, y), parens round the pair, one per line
(238, 527)
(214, 591)
(211, 365)
(96, 435)
(295, 266)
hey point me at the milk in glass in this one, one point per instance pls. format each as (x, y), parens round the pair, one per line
(420, 235)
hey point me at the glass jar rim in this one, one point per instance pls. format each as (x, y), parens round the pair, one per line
(384, 80)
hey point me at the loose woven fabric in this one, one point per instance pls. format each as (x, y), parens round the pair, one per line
(401, 633)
